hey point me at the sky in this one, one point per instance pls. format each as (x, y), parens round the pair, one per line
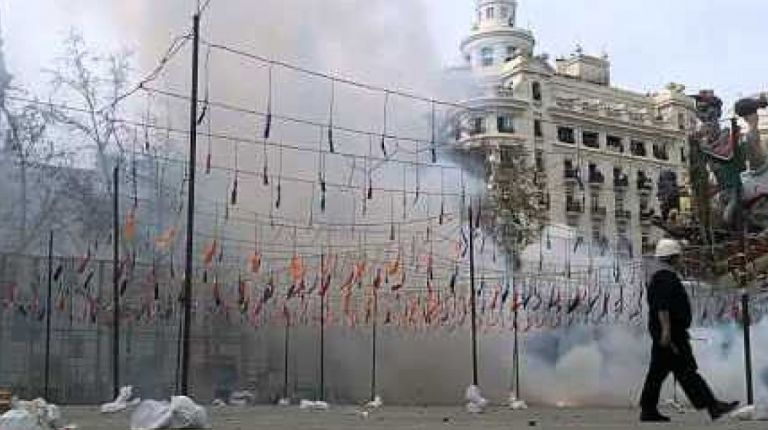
(650, 43)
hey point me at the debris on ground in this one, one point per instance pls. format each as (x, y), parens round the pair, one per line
(180, 413)
(757, 412)
(516, 404)
(33, 415)
(121, 402)
(376, 403)
(674, 405)
(310, 405)
(475, 401)
(241, 398)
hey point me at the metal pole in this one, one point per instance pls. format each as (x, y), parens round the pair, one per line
(179, 352)
(515, 325)
(190, 206)
(741, 226)
(321, 394)
(747, 347)
(472, 299)
(373, 344)
(116, 282)
(322, 348)
(48, 317)
(285, 358)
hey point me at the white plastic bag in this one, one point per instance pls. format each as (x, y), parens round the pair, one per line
(476, 402)
(516, 404)
(180, 413)
(186, 414)
(19, 419)
(314, 405)
(120, 403)
(151, 415)
(758, 412)
(241, 398)
(376, 403)
(32, 415)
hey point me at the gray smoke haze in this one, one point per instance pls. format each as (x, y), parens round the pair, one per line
(381, 42)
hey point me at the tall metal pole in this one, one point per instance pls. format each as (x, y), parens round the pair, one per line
(321, 395)
(285, 357)
(747, 348)
(115, 281)
(190, 205)
(472, 299)
(373, 344)
(322, 348)
(48, 317)
(741, 226)
(515, 325)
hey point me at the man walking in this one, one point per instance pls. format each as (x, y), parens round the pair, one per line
(669, 318)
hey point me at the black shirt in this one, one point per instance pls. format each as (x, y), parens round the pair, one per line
(666, 293)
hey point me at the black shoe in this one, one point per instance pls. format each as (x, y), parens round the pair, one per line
(722, 408)
(653, 417)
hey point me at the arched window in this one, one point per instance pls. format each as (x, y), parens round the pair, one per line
(536, 90)
(487, 56)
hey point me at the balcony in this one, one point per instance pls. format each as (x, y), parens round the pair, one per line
(596, 179)
(599, 212)
(573, 207)
(660, 153)
(621, 182)
(646, 216)
(570, 174)
(644, 186)
(623, 215)
(615, 144)
(591, 140)
(637, 148)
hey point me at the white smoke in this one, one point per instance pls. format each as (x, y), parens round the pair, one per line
(385, 43)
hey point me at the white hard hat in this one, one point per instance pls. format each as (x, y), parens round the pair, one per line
(668, 248)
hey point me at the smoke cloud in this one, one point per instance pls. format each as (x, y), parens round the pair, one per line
(385, 43)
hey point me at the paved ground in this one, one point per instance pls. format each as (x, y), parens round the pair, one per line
(433, 418)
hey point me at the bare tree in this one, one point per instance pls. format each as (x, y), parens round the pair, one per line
(29, 150)
(92, 83)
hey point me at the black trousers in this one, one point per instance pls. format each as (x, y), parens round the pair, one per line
(683, 365)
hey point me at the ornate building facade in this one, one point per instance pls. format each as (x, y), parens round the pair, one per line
(599, 152)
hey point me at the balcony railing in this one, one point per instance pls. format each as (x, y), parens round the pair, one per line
(644, 184)
(574, 207)
(599, 212)
(660, 153)
(646, 216)
(621, 182)
(596, 179)
(623, 215)
(570, 174)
